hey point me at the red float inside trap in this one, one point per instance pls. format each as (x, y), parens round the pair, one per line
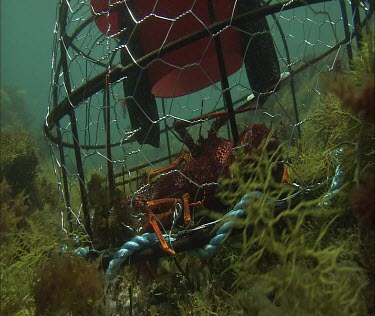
(187, 69)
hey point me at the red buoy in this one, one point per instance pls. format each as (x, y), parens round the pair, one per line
(187, 69)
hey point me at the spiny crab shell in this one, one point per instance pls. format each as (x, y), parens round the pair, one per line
(210, 159)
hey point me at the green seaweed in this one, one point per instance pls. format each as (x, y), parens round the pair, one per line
(14, 111)
(19, 160)
(110, 213)
(20, 168)
(309, 258)
(306, 259)
(292, 260)
(27, 239)
(68, 285)
(30, 230)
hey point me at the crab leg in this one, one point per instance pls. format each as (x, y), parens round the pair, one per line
(185, 203)
(286, 179)
(150, 206)
(184, 156)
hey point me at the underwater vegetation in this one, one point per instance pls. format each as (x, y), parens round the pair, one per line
(296, 262)
(19, 161)
(14, 111)
(355, 86)
(68, 285)
(27, 238)
(20, 167)
(31, 237)
(110, 213)
(308, 260)
(313, 257)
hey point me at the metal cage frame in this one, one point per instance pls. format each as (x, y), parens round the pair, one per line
(101, 82)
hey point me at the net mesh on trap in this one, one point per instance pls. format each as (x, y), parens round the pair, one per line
(124, 72)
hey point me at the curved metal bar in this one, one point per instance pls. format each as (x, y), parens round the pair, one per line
(97, 83)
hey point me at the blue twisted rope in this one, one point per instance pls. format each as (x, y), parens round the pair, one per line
(239, 211)
(149, 239)
(337, 180)
(138, 243)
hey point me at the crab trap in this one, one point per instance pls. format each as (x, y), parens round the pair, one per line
(149, 99)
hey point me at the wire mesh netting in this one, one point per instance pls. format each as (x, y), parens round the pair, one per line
(134, 84)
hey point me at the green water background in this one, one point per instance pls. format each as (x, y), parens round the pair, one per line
(26, 46)
(26, 63)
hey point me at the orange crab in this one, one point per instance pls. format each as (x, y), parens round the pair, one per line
(191, 179)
